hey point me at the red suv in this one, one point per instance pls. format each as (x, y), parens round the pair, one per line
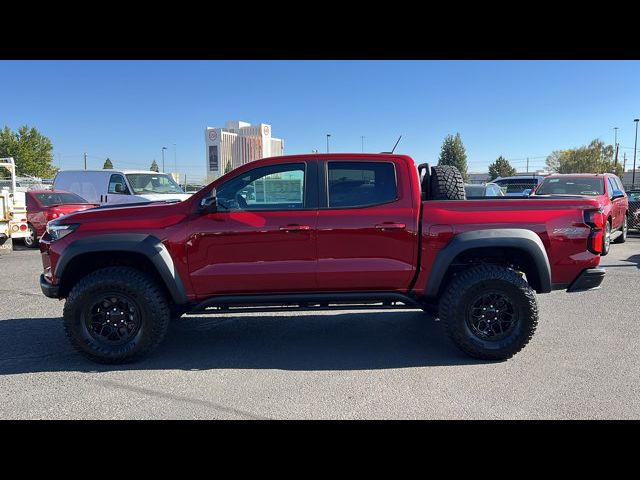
(45, 205)
(606, 188)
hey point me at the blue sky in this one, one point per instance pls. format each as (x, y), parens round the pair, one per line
(128, 110)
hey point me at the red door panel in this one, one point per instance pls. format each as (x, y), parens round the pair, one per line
(253, 252)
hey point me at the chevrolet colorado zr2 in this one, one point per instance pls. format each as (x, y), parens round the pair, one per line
(321, 232)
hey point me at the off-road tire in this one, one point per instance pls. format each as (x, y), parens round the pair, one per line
(624, 229)
(456, 304)
(34, 238)
(446, 183)
(146, 295)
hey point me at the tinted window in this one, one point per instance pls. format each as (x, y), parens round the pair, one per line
(54, 198)
(571, 186)
(356, 184)
(612, 186)
(276, 187)
(118, 180)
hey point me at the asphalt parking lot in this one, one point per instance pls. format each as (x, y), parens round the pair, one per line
(583, 362)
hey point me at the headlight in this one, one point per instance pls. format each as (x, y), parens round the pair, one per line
(56, 232)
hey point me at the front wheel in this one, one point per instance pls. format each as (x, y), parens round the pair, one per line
(489, 312)
(623, 236)
(606, 239)
(31, 241)
(116, 315)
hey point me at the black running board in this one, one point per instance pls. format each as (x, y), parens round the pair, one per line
(305, 301)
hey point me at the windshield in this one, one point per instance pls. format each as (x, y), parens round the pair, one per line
(516, 185)
(54, 198)
(571, 186)
(142, 183)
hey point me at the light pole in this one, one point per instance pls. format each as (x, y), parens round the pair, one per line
(163, 149)
(328, 135)
(635, 147)
(615, 145)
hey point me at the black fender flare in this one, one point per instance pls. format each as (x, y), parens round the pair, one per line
(148, 245)
(519, 238)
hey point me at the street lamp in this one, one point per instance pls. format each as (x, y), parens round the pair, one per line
(635, 147)
(328, 135)
(163, 149)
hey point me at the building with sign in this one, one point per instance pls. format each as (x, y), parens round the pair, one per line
(237, 143)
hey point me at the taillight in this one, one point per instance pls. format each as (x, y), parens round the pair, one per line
(23, 227)
(595, 219)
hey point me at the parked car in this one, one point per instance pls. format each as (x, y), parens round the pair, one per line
(322, 231)
(483, 190)
(518, 186)
(119, 186)
(606, 188)
(46, 205)
(633, 196)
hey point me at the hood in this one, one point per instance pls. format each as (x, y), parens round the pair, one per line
(126, 216)
(148, 197)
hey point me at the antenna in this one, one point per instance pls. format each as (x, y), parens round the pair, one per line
(394, 147)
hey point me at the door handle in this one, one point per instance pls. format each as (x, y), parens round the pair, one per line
(391, 226)
(295, 228)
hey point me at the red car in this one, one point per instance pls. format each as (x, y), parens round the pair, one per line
(318, 232)
(46, 205)
(606, 188)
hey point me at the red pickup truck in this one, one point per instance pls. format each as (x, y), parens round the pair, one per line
(320, 232)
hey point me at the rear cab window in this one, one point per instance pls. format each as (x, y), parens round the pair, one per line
(360, 184)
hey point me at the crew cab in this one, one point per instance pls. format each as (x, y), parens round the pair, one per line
(320, 232)
(606, 188)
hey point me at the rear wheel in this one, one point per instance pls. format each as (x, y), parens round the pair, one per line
(489, 312)
(31, 241)
(623, 236)
(116, 315)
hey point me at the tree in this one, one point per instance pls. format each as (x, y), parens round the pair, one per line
(154, 166)
(501, 168)
(32, 151)
(453, 153)
(107, 164)
(594, 158)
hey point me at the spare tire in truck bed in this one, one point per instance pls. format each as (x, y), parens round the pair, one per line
(446, 183)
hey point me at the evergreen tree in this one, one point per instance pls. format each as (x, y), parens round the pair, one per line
(453, 153)
(107, 164)
(501, 168)
(154, 167)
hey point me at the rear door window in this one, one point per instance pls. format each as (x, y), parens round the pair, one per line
(361, 184)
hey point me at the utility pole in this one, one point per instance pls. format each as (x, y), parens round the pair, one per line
(163, 149)
(624, 165)
(85, 160)
(615, 144)
(527, 164)
(328, 135)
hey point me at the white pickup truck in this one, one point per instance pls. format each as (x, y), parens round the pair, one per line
(13, 208)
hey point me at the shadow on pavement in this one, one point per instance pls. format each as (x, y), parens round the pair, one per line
(349, 341)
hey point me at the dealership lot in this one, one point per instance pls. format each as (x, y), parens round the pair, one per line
(583, 362)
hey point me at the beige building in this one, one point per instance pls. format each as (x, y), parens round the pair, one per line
(238, 143)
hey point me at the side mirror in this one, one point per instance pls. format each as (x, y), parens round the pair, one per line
(209, 204)
(617, 194)
(119, 188)
(527, 192)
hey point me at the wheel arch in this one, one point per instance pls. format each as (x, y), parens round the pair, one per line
(521, 247)
(141, 251)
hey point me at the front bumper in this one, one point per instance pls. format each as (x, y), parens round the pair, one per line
(49, 290)
(589, 279)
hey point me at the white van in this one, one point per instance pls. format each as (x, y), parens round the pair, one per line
(119, 186)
